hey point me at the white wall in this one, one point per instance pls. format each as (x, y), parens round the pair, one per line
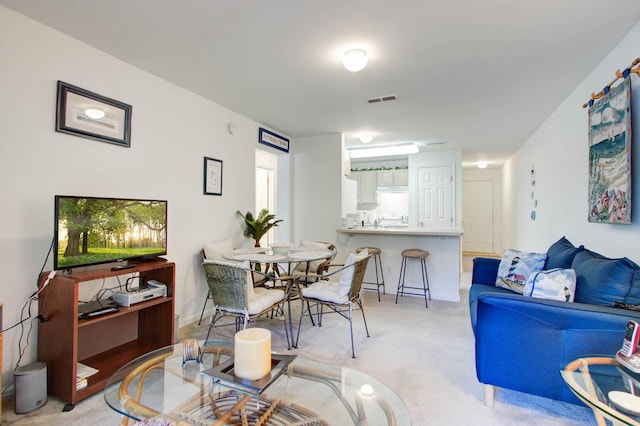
(172, 130)
(559, 151)
(316, 182)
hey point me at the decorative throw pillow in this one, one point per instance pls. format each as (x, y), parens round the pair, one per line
(344, 285)
(560, 254)
(516, 266)
(214, 251)
(314, 264)
(554, 284)
(314, 245)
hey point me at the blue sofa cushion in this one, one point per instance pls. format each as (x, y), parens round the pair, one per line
(633, 297)
(601, 280)
(560, 254)
(485, 270)
(516, 267)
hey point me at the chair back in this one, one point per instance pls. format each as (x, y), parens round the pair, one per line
(228, 285)
(324, 266)
(360, 267)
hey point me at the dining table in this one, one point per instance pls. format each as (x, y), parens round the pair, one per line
(283, 263)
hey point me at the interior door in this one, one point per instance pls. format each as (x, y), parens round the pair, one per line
(435, 197)
(477, 216)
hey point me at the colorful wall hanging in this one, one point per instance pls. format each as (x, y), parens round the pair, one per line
(610, 155)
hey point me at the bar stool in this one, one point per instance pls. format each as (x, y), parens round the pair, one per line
(377, 264)
(424, 290)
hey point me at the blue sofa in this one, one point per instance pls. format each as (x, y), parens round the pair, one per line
(521, 342)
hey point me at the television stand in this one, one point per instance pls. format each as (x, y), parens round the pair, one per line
(105, 342)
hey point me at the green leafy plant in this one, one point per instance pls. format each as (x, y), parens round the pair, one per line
(256, 227)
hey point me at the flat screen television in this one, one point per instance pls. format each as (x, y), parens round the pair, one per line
(92, 230)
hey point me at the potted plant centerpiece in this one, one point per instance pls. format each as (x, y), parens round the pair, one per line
(256, 227)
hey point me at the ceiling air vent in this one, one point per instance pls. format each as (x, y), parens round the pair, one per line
(382, 99)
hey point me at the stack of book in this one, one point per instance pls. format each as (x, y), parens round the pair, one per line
(81, 382)
(84, 371)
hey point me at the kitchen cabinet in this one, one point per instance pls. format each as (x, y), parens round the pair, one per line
(367, 186)
(385, 177)
(393, 177)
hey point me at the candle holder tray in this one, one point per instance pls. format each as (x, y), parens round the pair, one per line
(224, 375)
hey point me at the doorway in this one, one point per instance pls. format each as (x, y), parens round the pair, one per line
(478, 216)
(266, 171)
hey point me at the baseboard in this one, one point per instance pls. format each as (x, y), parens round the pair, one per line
(480, 254)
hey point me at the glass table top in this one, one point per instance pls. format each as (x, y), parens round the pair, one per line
(598, 381)
(160, 384)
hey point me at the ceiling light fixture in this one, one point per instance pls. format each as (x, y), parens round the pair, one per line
(366, 137)
(482, 165)
(355, 60)
(94, 113)
(384, 151)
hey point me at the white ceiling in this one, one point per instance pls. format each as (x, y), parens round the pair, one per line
(479, 76)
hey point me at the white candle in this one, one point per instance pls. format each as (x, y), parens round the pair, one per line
(252, 353)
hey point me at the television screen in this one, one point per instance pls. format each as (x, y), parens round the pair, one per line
(91, 230)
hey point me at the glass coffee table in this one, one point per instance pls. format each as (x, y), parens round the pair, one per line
(162, 386)
(606, 386)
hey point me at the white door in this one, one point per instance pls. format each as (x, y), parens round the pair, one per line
(435, 197)
(477, 216)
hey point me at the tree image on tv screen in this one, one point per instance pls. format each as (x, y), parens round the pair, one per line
(102, 230)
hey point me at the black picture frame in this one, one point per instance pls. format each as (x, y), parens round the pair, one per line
(274, 140)
(73, 109)
(212, 176)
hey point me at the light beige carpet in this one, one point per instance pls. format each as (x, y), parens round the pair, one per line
(425, 355)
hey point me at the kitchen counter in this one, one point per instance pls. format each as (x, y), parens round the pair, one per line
(445, 232)
(443, 264)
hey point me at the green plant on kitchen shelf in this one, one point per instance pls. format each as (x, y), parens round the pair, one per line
(257, 227)
(373, 169)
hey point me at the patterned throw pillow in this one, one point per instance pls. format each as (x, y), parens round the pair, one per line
(553, 284)
(516, 267)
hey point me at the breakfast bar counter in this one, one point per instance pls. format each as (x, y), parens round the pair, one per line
(443, 264)
(399, 230)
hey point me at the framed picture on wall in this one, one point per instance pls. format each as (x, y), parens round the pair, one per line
(212, 176)
(82, 113)
(273, 140)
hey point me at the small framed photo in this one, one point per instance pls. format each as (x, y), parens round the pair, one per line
(88, 115)
(212, 176)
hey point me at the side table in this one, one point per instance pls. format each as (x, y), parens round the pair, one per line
(593, 379)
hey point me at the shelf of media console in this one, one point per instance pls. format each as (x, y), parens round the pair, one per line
(123, 310)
